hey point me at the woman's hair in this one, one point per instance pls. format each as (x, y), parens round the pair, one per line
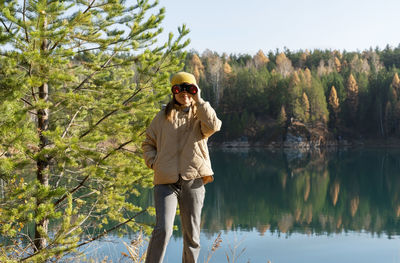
(170, 110)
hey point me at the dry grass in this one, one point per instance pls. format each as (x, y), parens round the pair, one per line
(216, 244)
(134, 249)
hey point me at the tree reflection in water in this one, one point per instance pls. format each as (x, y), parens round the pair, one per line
(319, 192)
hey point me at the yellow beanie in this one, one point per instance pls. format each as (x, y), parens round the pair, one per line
(183, 77)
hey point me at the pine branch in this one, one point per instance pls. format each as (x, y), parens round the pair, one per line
(89, 6)
(76, 188)
(5, 26)
(72, 191)
(101, 5)
(33, 94)
(96, 71)
(61, 38)
(23, 16)
(89, 77)
(108, 115)
(55, 239)
(27, 102)
(60, 176)
(111, 229)
(83, 220)
(88, 49)
(119, 148)
(29, 240)
(70, 123)
(114, 111)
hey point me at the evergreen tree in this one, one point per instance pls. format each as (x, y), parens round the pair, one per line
(388, 118)
(80, 81)
(318, 103)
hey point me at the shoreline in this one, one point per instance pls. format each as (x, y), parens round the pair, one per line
(392, 143)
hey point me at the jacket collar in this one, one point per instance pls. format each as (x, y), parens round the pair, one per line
(182, 107)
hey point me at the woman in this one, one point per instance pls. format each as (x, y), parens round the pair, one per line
(176, 149)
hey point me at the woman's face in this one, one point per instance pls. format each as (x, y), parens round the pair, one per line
(184, 98)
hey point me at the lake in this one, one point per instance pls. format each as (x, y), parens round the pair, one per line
(291, 206)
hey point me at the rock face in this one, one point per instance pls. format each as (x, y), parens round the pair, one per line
(301, 137)
(297, 136)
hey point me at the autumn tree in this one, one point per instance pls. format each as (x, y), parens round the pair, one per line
(306, 106)
(359, 65)
(260, 59)
(334, 100)
(283, 65)
(307, 77)
(334, 106)
(282, 118)
(322, 70)
(352, 96)
(396, 82)
(80, 81)
(196, 67)
(338, 64)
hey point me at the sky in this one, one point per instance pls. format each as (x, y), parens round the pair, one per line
(246, 26)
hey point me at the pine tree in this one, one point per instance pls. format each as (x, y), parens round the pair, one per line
(80, 82)
(318, 105)
(294, 94)
(396, 117)
(388, 118)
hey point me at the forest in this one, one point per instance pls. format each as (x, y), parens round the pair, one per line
(81, 80)
(353, 95)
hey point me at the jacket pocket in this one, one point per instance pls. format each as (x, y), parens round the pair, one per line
(203, 149)
(154, 162)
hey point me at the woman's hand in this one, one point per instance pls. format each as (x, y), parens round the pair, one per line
(197, 96)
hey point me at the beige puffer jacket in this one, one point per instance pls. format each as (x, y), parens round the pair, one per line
(180, 147)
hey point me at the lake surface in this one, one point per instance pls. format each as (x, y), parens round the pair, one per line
(290, 206)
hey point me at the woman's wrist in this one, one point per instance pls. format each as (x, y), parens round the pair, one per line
(199, 101)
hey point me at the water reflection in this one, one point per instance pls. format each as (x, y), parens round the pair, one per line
(315, 192)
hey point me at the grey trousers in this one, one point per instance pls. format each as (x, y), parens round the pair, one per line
(190, 196)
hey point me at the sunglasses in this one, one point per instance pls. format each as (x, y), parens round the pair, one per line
(190, 88)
